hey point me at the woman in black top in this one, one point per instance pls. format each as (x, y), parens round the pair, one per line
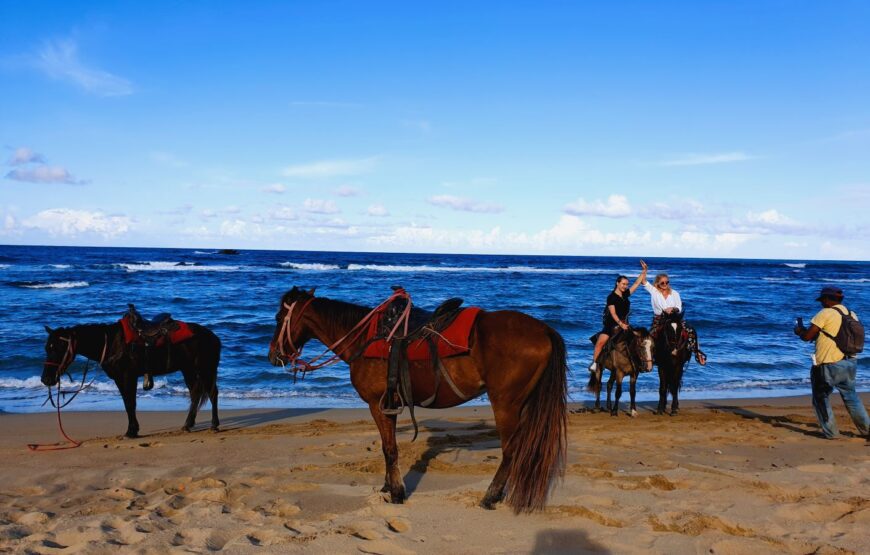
(616, 313)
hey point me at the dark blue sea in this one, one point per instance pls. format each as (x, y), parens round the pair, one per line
(743, 310)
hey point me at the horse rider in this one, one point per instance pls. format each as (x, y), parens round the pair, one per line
(616, 313)
(667, 302)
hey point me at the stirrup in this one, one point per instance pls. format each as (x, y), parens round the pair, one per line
(388, 410)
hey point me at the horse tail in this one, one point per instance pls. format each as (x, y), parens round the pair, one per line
(594, 382)
(539, 445)
(207, 360)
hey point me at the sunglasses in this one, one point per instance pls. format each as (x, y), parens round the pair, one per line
(663, 283)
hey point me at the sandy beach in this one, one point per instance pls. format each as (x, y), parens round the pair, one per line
(747, 476)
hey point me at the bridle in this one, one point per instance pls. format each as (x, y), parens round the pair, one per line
(289, 324)
(636, 354)
(64, 364)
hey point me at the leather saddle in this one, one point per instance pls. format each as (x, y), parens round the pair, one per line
(419, 321)
(151, 330)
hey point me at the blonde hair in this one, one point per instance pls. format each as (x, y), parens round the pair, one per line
(660, 276)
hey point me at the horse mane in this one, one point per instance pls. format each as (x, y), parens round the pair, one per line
(340, 313)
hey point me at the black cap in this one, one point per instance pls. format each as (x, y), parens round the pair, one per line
(830, 291)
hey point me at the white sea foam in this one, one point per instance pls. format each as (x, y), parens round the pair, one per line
(204, 252)
(162, 266)
(310, 267)
(473, 269)
(57, 285)
(852, 280)
(3, 266)
(775, 279)
(60, 266)
(799, 265)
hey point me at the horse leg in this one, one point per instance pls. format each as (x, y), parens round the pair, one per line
(610, 381)
(675, 388)
(393, 478)
(127, 386)
(506, 421)
(213, 399)
(194, 387)
(632, 391)
(663, 392)
(615, 410)
(598, 374)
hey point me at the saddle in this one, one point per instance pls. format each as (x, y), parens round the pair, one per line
(154, 332)
(431, 336)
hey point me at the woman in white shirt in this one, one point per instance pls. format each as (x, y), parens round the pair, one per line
(666, 300)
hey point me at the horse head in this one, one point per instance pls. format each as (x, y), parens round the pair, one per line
(60, 351)
(291, 332)
(642, 347)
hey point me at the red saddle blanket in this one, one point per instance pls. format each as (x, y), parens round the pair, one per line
(453, 340)
(183, 333)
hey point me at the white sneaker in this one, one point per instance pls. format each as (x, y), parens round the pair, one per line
(593, 367)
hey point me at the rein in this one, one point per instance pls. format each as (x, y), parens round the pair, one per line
(63, 366)
(288, 325)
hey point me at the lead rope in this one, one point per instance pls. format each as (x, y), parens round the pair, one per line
(70, 442)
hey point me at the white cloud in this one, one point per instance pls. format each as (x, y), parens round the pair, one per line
(274, 188)
(24, 155)
(44, 174)
(283, 213)
(683, 210)
(347, 191)
(59, 60)
(71, 223)
(702, 159)
(330, 168)
(464, 204)
(319, 206)
(616, 206)
(378, 210)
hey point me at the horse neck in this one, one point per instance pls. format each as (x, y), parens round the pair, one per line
(92, 339)
(331, 320)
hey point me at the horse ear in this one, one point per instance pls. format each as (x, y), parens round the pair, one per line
(311, 291)
(48, 330)
(636, 333)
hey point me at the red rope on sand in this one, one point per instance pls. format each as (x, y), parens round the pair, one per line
(70, 444)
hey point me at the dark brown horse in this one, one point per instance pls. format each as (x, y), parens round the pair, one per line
(197, 358)
(672, 354)
(629, 355)
(517, 360)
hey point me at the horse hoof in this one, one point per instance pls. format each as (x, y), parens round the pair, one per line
(386, 488)
(674, 412)
(131, 435)
(633, 414)
(397, 499)
(215, 429)
(185, 428)
(614, 413)
(488, 504)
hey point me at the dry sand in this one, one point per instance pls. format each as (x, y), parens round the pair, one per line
(749, 476)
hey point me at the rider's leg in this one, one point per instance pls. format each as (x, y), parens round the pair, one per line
(602, 339)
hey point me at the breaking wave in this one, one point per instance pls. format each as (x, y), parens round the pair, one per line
(162, 266)
(56, 285)
(310, 267)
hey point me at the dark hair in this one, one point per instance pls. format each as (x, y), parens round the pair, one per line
(618, 279)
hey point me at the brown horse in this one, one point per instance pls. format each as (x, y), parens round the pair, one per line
(517, 360)
(628, 356)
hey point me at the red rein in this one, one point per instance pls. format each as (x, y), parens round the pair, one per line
(62, 367)
(288, 325)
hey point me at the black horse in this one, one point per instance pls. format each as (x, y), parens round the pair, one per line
(672, 354)
(197, 358)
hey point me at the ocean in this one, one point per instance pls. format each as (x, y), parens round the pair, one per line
(743, 310)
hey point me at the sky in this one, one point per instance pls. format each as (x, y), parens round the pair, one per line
(684, 129)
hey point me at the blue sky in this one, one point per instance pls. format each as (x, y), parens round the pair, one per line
(713, 129)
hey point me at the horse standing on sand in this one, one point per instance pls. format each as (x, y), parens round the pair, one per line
(627, 356)
(672, 354)
(517, 360)
(197, 358)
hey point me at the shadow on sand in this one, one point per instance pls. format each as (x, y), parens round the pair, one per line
(551, 542)
(775, 421)
(445, 436)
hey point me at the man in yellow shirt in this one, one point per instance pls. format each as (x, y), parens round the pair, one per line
(831, 367)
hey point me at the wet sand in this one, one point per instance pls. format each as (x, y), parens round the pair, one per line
(746, 476)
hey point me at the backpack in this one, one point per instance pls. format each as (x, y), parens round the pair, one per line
(850, 338)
